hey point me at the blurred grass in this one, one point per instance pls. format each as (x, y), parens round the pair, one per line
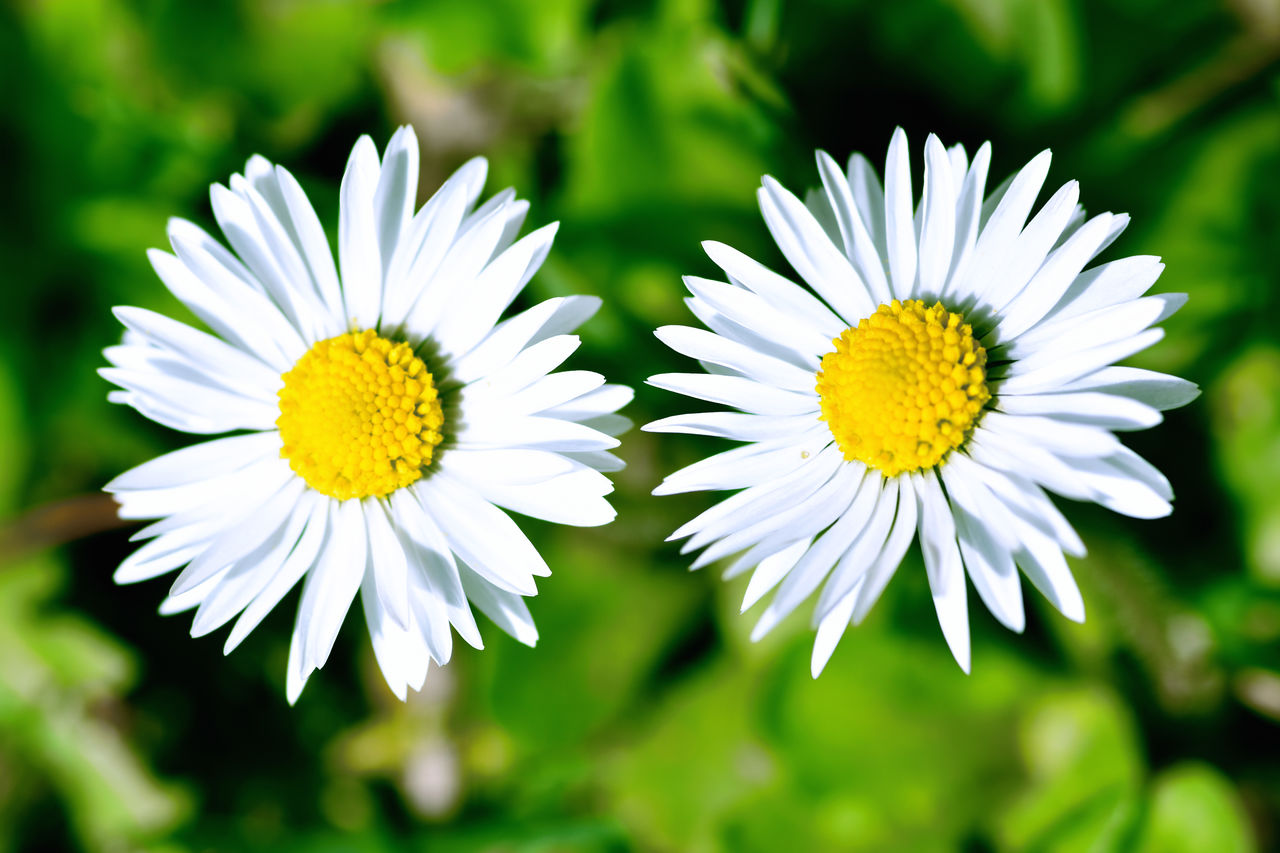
(645, 719)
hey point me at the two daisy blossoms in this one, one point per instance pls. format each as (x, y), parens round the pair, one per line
(942, 369)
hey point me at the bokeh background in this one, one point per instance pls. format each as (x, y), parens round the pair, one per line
(645, 719)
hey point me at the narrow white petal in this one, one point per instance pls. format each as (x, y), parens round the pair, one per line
(1109, 284)
(938, 223)
(899, 217)
(890, 557)
(1108, 411)
(832, 628)
(771, 570)
(859, 246)
(396, 192)
(314, 246)
(968, 217)
(868, 196)
(761, 499)
(198, 462)
(482, 535)
(990, 566)
(859, 502)
(943, 564)
(507, 609)
(473, 312)
(332, 584)
(1054, 434)
(1028, 252)
(359, 256)
(1055, 376)
(753, 312)
(390, 568)
(746, 465)
(811, 252)
(738, 426)
(708, 346)
(1001, 228)
(252, 529)
(1158, 390)
(853, 566)
(429, 553)
(231, 366)
(739, 392)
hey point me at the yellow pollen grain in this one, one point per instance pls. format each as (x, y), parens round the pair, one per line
(359, 416)
(904, 387)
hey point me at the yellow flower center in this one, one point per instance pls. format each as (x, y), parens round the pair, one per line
(904, 387)
(359, 416)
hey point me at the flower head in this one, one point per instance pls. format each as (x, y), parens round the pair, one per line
(385, 415)
(950, 364)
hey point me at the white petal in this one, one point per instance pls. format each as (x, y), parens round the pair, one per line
(482, 535)
(507, 609)
(206, 409)
(429, 553)
(390, 568)
(1108, 284)
(890, 557)
(1000, 230)
(869, 199)
(1053, 434)
(1108, 411)
(255, 526)
(197, 462)
(746, 465)
(511, 336)
(332, 584)
(314, 247)
(771, 570)
(738, 426)
(853, 566)
(1158, 390)
(231, 366)
(753, 312)
(943, 564)
(359, 256)
(991, 568)
(859, 503)
(859, 245)
(762, 499)
(708, 346)
(811, 252)
(968, 217)
(806, 517)
(396, 193)
(474, 311)
(739, 392)
(832, 628)
(1028, 252)
(1055, 376)
(899, 213)
(938, 218)
(315, 507)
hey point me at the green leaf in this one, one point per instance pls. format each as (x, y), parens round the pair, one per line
(1194, 808)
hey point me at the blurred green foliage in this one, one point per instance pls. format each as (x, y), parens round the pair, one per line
(645, 719)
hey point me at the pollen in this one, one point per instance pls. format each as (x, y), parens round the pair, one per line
(904, 387)
(359, 416)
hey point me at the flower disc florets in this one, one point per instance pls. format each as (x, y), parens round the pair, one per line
(904, 387)
(359, 416)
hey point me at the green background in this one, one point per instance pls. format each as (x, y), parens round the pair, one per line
(645, 719)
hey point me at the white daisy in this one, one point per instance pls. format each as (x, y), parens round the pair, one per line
(383, 414)
(954, 365)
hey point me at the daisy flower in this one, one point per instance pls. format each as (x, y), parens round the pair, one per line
(952, 365)
(384, 416)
